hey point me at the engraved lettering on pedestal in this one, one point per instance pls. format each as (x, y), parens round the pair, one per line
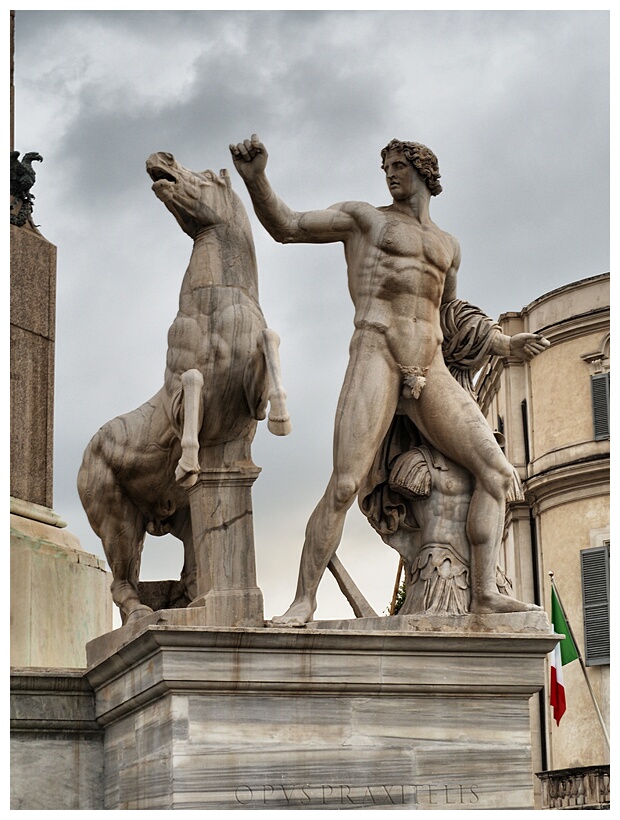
(422, 794)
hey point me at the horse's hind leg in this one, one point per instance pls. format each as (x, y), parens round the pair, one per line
(191, 409)
(263, 383)
(118, 523)
(122, 535)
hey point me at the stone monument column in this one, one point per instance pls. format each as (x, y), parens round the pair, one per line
(33, 314)
(59, 593)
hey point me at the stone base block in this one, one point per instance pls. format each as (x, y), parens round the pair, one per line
(60, 596)
(207, 718)
(56, 743)
(469, 623)
(226, 607)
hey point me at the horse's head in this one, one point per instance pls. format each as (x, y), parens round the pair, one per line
(197, 199)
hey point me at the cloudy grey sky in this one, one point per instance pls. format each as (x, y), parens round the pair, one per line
(515, 105)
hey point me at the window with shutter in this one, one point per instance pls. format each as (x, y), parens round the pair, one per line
(600, 405)
(595, 584)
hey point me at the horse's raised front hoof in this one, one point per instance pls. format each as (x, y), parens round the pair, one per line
(279, 426)
(186, 477)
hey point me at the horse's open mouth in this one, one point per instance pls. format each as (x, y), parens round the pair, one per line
(158, 174)
(163, 183)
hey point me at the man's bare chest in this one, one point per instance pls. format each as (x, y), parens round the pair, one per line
(417, 244)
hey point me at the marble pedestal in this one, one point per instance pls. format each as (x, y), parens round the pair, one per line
(60, 594)
(222, 524)
(415, 716)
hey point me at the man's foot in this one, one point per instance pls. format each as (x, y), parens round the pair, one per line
(492, 602)
(296, 615)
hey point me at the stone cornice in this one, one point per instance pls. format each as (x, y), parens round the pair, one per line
(576, 326)
(572, 454)
(516, 511)
(553, 294)
(292, 662)
(37, 512)
(567, 484)
(52, 700)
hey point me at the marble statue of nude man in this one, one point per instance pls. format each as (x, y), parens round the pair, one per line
(401, 267)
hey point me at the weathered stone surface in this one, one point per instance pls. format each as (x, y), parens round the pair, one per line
(497, 622)
(401, 270)
(33, 282)
(56, 742)
(59, 593)
(33, 305)
(162, 594)
(60, 596)
(200, 718)
(222, 372)
(48, 699)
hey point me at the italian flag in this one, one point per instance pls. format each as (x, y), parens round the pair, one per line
(564, 652)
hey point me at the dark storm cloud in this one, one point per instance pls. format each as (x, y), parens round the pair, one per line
(515, 104)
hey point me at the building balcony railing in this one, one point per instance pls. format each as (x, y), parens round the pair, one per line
(582, 787)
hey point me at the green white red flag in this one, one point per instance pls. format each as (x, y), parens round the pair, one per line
(564, 652)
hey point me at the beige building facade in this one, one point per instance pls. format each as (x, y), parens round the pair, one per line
(553, 414)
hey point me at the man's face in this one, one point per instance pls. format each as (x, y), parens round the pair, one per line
(402, 178)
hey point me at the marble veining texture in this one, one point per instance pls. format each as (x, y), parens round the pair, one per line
(214, 721)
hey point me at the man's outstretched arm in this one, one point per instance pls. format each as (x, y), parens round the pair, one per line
(284, 224)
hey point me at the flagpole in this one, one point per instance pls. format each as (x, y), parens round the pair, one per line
(583, 666)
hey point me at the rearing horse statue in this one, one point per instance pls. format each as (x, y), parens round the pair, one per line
(222, 371)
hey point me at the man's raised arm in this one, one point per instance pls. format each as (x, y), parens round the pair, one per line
(285, 225)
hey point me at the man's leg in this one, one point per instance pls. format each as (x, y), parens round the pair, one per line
(454, 424)
(365, 410)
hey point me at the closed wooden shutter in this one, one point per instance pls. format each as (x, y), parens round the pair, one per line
(595, 584)
(600, 405)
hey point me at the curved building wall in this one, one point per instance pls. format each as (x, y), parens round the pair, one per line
(544, 409)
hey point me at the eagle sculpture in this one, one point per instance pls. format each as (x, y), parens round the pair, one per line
(23, 177)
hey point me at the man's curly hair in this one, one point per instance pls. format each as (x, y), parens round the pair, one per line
(423, 160)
